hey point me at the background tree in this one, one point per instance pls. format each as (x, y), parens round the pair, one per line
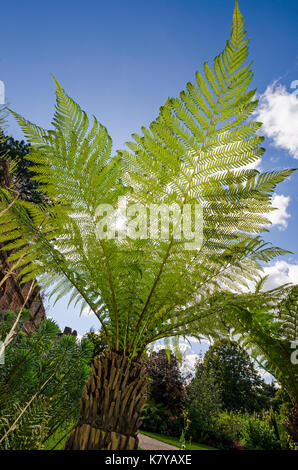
(203, 401)
(166, 393)
(240, 384)
(98, 341)
(265, 324)
(166, 384)
(143, 290)
(16, 152)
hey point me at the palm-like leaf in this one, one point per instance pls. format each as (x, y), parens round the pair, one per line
(195, 152)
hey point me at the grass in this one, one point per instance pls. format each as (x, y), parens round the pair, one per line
(175, 442)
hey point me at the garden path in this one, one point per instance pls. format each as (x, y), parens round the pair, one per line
(148, 443)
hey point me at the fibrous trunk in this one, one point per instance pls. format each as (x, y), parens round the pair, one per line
(292, 423)
(111, 405)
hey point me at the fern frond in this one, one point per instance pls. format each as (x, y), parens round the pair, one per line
(196, 153)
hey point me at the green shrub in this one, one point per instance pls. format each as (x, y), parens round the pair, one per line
(156, 418)
(229, 424)
(251, 431)
(257, 434)
(219, 441)
(174, 426)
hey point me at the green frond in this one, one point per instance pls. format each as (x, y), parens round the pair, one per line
(195, 152)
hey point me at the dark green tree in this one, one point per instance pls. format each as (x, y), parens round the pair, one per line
(265, 324)
(203, 401)
(241, 386)
(16, 152)
(97, 339)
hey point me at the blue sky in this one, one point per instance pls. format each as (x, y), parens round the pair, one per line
(121, 60)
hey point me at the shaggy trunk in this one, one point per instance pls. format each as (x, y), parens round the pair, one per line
(291, 423)
(111, 405)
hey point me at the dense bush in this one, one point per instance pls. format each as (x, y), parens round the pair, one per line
(174, 426)
(257, 434)
(251, 431)
(154, 414)
(228, 423)
(156, 418)
(220, 441)
(223, 398)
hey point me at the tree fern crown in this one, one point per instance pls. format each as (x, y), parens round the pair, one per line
(199, 151)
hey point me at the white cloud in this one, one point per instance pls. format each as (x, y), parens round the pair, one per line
(280, 273)
(278, 110)
(254, 166)
(194, 340)
(185, 348)
(266, 376)
(280, 215)
(189, 358)
(188, 365)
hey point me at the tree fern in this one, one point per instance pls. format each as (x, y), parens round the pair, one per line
(196, 152)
